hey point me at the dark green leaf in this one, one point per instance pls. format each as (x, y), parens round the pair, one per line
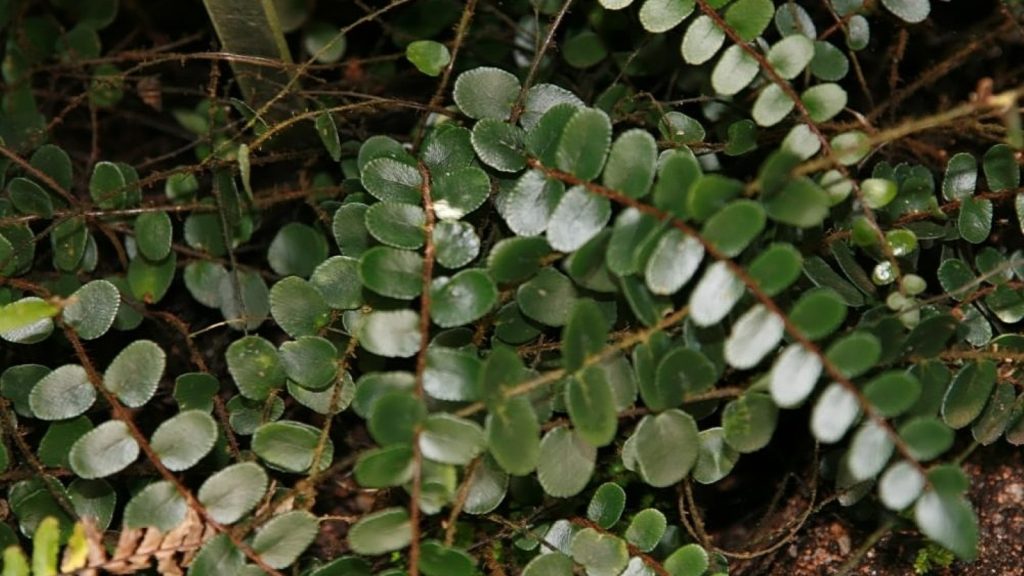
(584, 143)
(133, 376)
(391, 272)
(968, 393)
(291, 446)
(607, 504)
(566, 462)
(463, 298)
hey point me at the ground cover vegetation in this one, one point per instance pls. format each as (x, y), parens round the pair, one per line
(542, 287)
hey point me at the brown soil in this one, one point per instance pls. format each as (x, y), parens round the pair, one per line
(829, 540)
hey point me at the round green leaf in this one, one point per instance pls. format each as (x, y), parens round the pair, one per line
(298, 307)
(734, 71)
(27, 320)
(869, 452)
(280, 541)
(855, 353)
(601, 554)
(447, 149)
(975, 219)
(153, 232)
(395, 417)
(892, 393)
(217, 556)
(513, 436)
(231, 493)
(203, 280)
(584, 50)
(794, 375)
(790, 55)
(499, 145)
(515, 259)
(666, 447)
(150, 280)
(578, 217)
(94, 498)
(107, 185)
(659, 16)
(584, 143)
(673, 262)
(900, 485)
(543, 97)
(818, 313)
(349, 229)
(183, 440)
(776, 268)
(772, 105)
(54, 162)
(103, 451)
(547, 298)
(384, 467)
(829, 63)
(584, 335)
(690, 560)
(528, 206)
(732, 228)
(428, 56)
(92, 308)
(566, 463)
(749, 422)
(749, 18)
(606, 505)
(255, 366)
(29, 198)
(591, 404)
(716, 457)
(381, 532)
(296, 249)
(391, 272)
(968, 393)
(801, 202)
(701, 41)
(159, 505)
(824, 101)
(553, 564)
(948, 518)
(64, 393)
(681, 373)
(834, 413)
(487, 488)
(391, 180)
(16, 384)
(450, 440)
(646, 529)
(631, 163)
(458, 192)
(290, 446)
(486, 93)
(463, 298)
(391, 333)
(248, 307)
(135, 373)
(396, 224)
(1001, 169)
(753, 336)
(68, 240)
(455, 243)
(910, 11)
(337, 281)
(452, 374)
(310, 361)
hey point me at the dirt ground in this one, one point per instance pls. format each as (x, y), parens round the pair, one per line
(827, 542)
